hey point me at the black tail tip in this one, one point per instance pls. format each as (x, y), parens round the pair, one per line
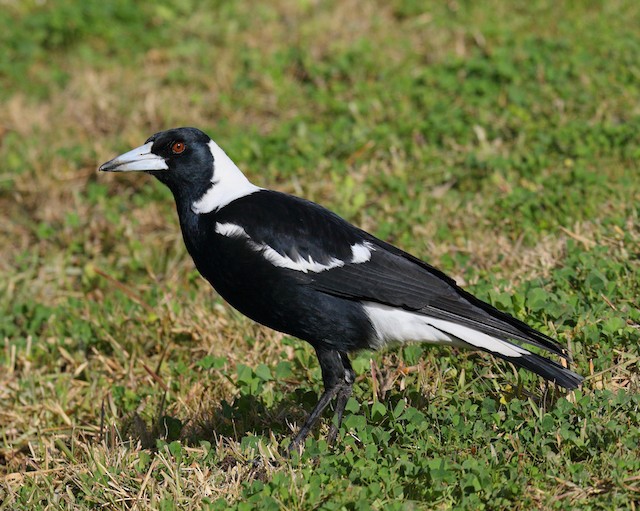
(549, 370)
(568, 379)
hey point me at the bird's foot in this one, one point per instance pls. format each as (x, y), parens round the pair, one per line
(333, 434)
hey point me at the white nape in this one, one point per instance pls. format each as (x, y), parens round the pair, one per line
(228, 183)
(360, 252)
(399, 325)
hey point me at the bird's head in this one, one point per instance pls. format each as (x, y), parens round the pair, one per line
(192, 165)
(179, 156)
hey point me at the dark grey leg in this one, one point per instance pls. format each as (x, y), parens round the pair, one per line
(344, 393)
(338, 377)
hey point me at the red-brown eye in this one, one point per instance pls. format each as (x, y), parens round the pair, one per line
(178, 147)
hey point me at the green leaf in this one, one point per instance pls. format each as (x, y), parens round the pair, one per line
(537, 299)
(263, 372)
(378, 411)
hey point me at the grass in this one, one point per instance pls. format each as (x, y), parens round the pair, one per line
(497, 141)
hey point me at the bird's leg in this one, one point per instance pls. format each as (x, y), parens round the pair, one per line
(344, 393)
(338, 378)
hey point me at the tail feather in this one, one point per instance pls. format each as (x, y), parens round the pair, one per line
(395, 324)
(517, 355)
(499, 324)
(548, 369)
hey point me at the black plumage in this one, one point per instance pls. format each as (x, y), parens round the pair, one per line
(296, 267)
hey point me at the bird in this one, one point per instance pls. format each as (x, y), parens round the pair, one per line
(299, 268)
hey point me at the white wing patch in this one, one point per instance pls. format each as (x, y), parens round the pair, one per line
(360, 252)
(228, 183)
(231, 230)
(300, 264)
(398, 325)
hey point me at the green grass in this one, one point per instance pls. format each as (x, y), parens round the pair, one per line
(498, 141)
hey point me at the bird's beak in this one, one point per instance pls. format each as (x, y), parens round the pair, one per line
(139, 159)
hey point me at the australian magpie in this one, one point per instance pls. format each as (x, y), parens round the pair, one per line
(299, 268)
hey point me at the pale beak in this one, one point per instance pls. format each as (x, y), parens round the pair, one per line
(139, 159)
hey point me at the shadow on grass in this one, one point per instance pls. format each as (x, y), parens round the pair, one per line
(235, 419)
(250, 415)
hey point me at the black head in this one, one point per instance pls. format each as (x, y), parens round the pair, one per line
(199, 173)
(181, 158)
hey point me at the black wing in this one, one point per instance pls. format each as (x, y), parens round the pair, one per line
(297, 228)
(293, 227)
(398, 279)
